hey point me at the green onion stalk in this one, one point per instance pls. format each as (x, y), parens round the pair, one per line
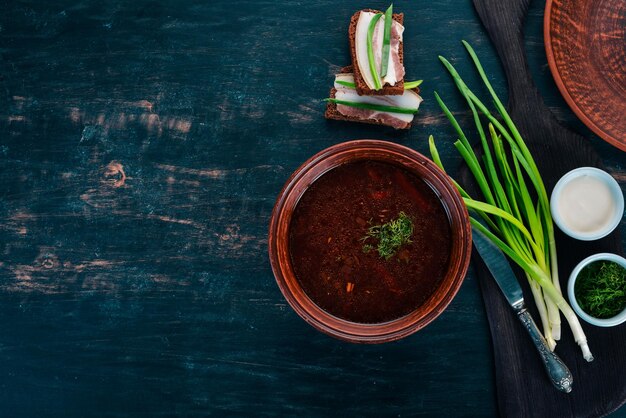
(384, 63)
(408, 85)
(386, 46)
(373, 106)
(370, 51)
(510, 216)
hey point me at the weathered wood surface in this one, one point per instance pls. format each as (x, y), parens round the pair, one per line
(142, 145)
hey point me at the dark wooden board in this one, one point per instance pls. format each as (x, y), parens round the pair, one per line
(522, 386)
(142, 145)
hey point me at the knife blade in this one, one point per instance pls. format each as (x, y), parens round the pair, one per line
(499, 267)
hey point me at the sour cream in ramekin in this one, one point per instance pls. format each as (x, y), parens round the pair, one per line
(587, 203)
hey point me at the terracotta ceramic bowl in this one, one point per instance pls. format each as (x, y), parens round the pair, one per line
(411, 161)
(584, 42)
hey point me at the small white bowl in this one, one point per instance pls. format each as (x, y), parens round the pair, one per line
(608, 322)
(616, 193)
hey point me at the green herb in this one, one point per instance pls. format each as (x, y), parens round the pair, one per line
(601, 289)
(384, 63)
(371, 106)
(515, 211)
(408, 85)
(346, 84)
(370, 51)
(391, 236)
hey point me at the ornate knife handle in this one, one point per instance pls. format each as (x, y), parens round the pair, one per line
(557, 370)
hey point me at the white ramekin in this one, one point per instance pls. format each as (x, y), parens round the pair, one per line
(616, 192)
(608, 322)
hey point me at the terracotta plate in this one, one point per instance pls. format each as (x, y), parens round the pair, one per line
(586, 47)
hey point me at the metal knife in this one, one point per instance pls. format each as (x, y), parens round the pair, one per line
(501, 271)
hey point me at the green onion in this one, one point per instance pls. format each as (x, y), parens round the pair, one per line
(370, 51)
(408, 85)
(384, 63)
(371, 106)
(516, 211)
(519, 147)
(346, 84)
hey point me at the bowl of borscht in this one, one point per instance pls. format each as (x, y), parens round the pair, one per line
(369, 241)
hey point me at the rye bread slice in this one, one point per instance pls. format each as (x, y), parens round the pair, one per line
(333, 113)
(361, 87)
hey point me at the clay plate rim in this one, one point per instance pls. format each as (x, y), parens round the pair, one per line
(556, 75)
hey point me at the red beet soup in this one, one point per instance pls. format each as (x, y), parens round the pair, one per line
(342, 271)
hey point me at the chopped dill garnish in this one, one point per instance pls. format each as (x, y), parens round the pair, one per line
(391, 236)
(601, 289)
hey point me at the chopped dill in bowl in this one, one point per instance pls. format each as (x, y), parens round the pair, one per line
(600, 289)
(391, 236)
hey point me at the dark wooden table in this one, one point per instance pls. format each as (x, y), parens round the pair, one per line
(142, 145)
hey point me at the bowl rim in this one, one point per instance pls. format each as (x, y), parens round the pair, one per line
(312, 169)
(616, 192)
(607, 322)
